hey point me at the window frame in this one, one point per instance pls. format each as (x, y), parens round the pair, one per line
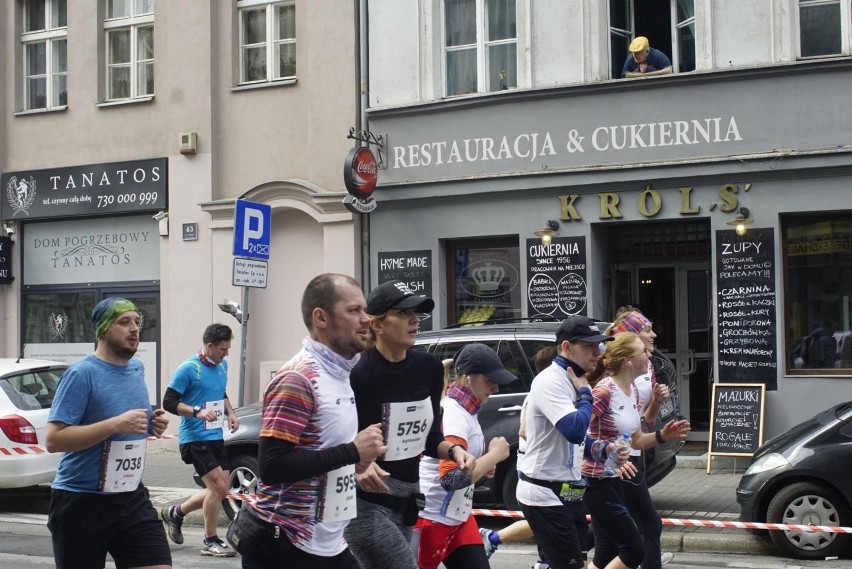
(482, 46)
(51, 36)
(132, 23)
(271, 44)
(845, 28)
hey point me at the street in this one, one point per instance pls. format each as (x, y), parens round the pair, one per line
(25, 543)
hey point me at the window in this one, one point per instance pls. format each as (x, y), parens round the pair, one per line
(824, 27)
(45, 55)
(267, 41)
(669, 26)
(129, 27)
(818, 264)
(485, 280)
(480, 46)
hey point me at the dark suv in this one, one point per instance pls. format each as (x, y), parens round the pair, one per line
(516, 345)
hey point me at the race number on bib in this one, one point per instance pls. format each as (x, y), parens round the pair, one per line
(338, 499)
(122, 467)
(459, 504)
(217, 407)
(407, 425)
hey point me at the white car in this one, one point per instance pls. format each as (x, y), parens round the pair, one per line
(27, 388)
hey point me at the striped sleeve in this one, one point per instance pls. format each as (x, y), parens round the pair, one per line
(288, 405)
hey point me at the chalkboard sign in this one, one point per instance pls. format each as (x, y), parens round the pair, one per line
(736, 420)
(414, 268)
(745, 272)
(556, 278)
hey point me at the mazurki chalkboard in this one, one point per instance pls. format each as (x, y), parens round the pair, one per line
(736, 420)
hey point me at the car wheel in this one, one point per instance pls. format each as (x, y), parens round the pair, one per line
(805, 503)
(243, 481)
(510, 486)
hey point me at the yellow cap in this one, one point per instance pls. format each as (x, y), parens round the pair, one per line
(640, 43)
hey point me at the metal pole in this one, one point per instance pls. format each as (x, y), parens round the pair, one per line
(244, 303)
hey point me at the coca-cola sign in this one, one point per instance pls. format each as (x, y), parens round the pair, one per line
(360, 172)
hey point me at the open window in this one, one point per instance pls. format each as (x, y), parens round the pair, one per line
(669, 26)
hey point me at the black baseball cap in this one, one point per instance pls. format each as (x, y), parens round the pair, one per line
(479, 358)
(397, 294)
(580, 329)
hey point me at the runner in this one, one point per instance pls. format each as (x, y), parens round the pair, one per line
(556, 418)
(100, 419)
(310, 447)
(446, 532)
(197, 395)
(400, 388)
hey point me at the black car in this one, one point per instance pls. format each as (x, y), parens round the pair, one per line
(516, 344)
(803, 477)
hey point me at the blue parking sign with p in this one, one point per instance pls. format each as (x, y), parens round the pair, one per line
(252, 229)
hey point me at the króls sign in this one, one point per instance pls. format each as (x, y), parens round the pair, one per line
(360, 174)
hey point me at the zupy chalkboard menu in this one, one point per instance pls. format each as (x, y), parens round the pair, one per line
(414, 268)
(736, 420)
(746, 297)
(556, 277)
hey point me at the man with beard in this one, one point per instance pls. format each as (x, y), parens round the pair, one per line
(310, 447)
(558, 410)
(197, 394)
(100, 419)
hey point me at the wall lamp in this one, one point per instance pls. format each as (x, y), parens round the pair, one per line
(8, 228)
(741, 221)
(232, 308)
(548, 232)
(162, 219)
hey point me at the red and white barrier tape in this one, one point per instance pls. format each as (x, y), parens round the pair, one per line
(18, 451)
(697, 523)
(35, 449)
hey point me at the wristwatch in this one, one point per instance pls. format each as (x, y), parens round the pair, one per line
(195, 410)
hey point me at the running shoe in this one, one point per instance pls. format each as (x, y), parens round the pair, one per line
(665, 557)
(490, 548)
(173, 523)
(215, 547)
(541, 565)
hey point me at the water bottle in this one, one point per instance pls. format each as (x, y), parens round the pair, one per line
(611, 467)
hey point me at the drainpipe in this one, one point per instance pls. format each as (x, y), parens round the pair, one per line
(361, 104)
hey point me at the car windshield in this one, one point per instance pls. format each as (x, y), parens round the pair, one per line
(32, 390)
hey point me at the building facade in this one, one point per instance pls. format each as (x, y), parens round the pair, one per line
(505, 118)
(129, 128)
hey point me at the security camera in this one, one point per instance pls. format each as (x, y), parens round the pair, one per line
(233, 309)
(9, 230)
(160, 216)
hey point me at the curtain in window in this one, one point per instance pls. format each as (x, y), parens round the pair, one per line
(503, 57)
(460, 33)
(820, 29)
(254, 45)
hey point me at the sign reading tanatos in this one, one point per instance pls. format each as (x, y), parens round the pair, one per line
(93, 250)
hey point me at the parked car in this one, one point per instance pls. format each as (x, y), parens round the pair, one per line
(803, 477)
(27, 388)
(516, 345)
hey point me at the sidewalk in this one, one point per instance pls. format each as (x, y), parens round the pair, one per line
(688, 492)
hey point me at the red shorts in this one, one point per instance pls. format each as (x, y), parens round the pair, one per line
(438, 541)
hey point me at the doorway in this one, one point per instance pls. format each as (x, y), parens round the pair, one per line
(665, 272)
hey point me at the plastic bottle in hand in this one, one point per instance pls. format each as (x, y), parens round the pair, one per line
(611, 467)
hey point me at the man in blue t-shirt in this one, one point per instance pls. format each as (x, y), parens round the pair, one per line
(197, 394)
(100, 419)
(645, 60)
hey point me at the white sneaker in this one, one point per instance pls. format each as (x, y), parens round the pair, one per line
(665, 557)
